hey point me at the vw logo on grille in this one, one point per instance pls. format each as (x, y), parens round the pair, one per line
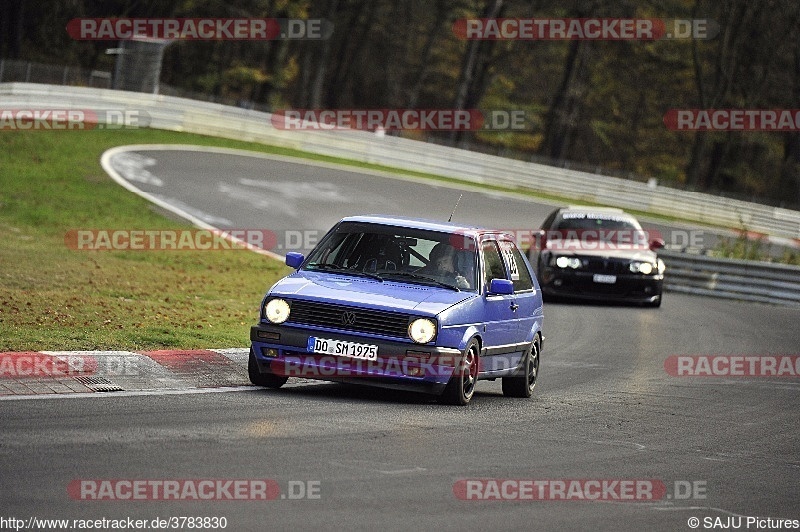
(348, 318)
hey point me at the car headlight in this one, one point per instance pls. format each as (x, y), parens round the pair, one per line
(661, 267)
(422, 330)
(568, 262)
(277, 310)
(641, 267)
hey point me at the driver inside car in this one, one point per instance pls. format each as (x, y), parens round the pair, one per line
(442, 266)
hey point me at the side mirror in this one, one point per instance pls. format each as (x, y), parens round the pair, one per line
(657, 243)
(502, 287)
(294, 260)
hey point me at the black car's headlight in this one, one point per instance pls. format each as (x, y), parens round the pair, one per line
(277, 310)
(422, 330)
(645, 268)
(566, 262)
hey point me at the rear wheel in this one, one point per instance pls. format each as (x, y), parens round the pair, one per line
(461, 387)
(268, 380)
(522, 384)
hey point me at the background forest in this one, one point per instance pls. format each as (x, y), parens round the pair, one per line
(592, 105)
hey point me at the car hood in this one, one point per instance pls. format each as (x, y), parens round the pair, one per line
(368, 293)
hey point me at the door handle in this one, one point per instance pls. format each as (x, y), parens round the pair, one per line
(514, 307)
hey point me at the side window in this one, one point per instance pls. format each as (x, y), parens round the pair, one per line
(492, 263)
(520, 275)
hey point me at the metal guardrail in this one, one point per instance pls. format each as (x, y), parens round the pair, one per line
(206, 118)
(31, 72)
(733, 279)
(697, 274)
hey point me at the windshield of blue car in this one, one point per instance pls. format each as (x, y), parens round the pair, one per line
(400, 254)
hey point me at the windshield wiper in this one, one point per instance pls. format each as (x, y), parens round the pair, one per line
(424, 278)
(326, 266)
(348, 271)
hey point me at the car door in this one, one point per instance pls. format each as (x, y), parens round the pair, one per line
(526, 296)
(500, 328)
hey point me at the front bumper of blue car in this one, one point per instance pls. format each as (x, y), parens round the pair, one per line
(287, 351)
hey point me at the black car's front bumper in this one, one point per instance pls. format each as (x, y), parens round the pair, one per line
(282, 350)
(578, 284)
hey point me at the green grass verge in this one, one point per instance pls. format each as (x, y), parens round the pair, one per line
(52, 297)
(744, 248)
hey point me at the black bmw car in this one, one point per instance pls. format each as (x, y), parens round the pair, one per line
(594, 253)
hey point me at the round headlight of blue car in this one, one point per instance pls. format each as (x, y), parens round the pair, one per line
(422, 330)
(277, 310)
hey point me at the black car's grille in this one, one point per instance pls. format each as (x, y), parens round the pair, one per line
(607, 266)
(347, 318)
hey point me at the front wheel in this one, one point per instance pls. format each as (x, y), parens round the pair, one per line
(460, 389)
(522, 385)
(268, 380)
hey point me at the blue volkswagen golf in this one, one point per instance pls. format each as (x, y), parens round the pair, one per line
(407, 304)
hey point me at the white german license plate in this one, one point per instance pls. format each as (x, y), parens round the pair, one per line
(327, 346)
(605, 279)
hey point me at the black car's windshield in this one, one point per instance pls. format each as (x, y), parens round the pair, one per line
(594, 226)
(396, 253)
(590, 220)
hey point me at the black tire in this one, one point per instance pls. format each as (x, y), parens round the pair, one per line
(522, 385)
(268, 380)
(461, 388)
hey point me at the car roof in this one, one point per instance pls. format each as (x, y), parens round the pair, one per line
(421, 223)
